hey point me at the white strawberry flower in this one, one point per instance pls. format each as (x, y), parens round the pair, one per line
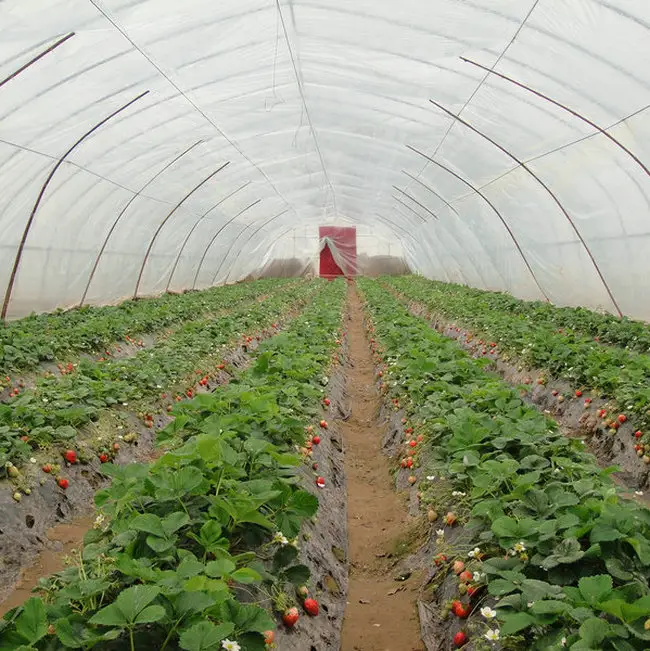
(458, 494)
(280, 538)
(519, 547)
(229, 645)
(430, 477)
(477, 576)
(492, 635)
(440, 533)
(488, 613)
(563, 641)
(474, 553)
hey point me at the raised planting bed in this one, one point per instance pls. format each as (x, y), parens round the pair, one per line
(50, 415)
(197, 550)
(559, 370)
(531, 545)
(27, 342)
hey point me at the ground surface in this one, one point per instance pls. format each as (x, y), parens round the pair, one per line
(381, 612)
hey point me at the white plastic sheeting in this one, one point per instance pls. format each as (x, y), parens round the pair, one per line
(314, 104)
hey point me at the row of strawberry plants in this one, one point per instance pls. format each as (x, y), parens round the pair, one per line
(45, 337)
(620, 375)
(602, 327)
(551, 557)
(190, 552)
(53, 411)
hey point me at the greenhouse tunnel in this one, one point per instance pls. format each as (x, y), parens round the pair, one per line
(149, 146)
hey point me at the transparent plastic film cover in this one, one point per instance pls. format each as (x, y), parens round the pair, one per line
(150, 146)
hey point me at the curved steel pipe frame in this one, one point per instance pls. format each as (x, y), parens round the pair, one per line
(196, 224)
(573, 112)
(432, 191)
(211, 242)
(30, 221)
(167, 218)
(494, 209)
(416, 201)
(417, 214)
(32, 61)
(121, 214)
(523, 165)
(232, 266)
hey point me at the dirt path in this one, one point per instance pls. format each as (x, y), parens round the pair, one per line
(381, 613)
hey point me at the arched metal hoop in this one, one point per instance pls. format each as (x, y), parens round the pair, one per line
(30, 221)
(214, 237)
(167, 218)
(573, 112)
(494, 209)
(548, 190)
(121, 214)
(432, 191)
(195, 226)
(31, 62)
(416, 201)
(232, 266)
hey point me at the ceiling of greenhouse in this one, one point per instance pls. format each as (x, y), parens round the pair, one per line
(148, 145)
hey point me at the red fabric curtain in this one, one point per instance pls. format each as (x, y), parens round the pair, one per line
(345, 241)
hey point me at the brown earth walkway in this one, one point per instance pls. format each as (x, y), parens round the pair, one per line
(379, 616)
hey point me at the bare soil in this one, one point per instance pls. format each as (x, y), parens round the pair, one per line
(62, 539)
(381, 613)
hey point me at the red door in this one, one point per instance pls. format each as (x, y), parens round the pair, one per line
(345, 242)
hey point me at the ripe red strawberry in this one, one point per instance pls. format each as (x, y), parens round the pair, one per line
(47, 468)
(103, 458)
(622, 418)
(269, 637)
(413, 443)
(460, 639)
(465, 576)
(439, 558)
(471, 590)
(460, 610)
(638, 434)
(409, 463)
(323, 424)
(326, 402)
(189, 393)
(70, 456)
(320, 482)
(316, 440)
(311, 607)
(578, 393)
(221, 366)
(63, 483)
(408, 430)
(290, 617)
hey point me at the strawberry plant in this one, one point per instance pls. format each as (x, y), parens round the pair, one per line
(565, 558)
(53, 411)
(177, 541)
